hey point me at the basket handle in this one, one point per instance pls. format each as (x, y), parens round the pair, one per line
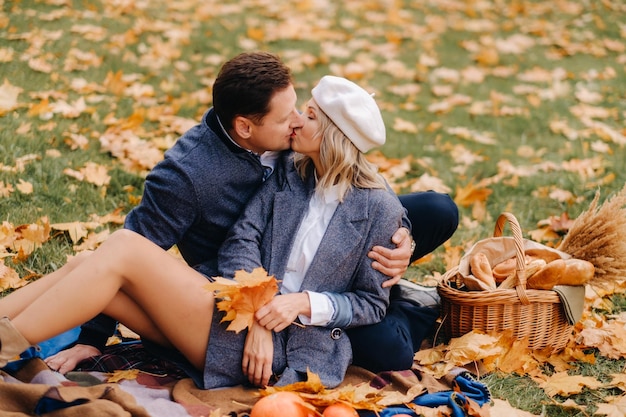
(520, 259)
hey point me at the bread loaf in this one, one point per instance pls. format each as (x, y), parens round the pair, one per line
(481, 277)
(531, 268)
(577, 272)
(504, 269)
(548, 276)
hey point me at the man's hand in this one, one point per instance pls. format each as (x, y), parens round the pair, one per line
(258, 354)
(66, 360)
(393, 262)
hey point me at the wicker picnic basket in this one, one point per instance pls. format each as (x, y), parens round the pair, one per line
(534, 314)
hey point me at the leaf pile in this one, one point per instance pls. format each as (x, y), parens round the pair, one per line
(361, 397)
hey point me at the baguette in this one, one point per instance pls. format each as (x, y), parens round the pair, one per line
(577, 272)
(481, 277)
(548, 276)
(545, 254)
(531, 268)
(504, 269)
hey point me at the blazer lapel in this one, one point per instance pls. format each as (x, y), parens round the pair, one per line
(342, 236)
(290, 204)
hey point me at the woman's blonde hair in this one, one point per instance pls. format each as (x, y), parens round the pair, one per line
(343, 164)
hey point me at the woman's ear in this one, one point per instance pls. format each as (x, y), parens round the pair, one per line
(242, 127)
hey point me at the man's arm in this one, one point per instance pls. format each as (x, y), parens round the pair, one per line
(393, 262)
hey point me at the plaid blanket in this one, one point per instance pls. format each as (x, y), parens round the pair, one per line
(145, 385)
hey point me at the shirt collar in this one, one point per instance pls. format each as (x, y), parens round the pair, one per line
(227, 135)
(330, 195)
(267, 158)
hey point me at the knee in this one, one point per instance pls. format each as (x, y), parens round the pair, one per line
(122, 243)
(80, 257)
(123, 236)
(434, 218)
(437, 207)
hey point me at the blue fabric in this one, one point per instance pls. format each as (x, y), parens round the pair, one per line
(58, 343)
(468, 388)
(44, 349)
(48, 405)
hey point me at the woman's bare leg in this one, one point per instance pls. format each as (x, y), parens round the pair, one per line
(127, 267)
(18, 300)
(136, 319)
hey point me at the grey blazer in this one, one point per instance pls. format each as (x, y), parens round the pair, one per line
(263, 236)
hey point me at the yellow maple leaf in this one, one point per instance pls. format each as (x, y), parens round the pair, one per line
(504, 408)
(313, 384)
(563, 384)
(5, 190)
(615, 408)
(361, 396)
(470, 194)
(8, 97)
(31, 237)
(9, 278)
(76, 230)
(93, 173)
(117, 376)
(243, 296)
(471, 347)
(7, 235)
(92, 241)
(24, 187)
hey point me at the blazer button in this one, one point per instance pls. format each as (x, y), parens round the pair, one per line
(336, 333)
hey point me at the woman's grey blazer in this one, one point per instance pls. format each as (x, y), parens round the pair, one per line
(263, 236)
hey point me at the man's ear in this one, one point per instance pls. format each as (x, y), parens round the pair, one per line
(242, 127)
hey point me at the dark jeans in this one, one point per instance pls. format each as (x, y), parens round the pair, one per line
(391, 344)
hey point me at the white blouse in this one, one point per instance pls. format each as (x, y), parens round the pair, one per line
(310, 234)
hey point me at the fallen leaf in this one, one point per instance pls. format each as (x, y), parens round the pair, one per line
(8, 97)
(242, 296)
(614, 408)
(117, 376)
(563, 384)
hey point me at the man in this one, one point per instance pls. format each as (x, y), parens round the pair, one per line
(192, 197)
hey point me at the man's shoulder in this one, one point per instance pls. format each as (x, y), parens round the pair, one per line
(199, 136)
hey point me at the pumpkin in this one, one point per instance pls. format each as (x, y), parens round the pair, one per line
(340, 410)
(282, 403)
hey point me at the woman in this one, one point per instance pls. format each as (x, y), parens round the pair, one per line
(311, 227)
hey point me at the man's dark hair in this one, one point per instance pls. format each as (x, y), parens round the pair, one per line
(246, 84)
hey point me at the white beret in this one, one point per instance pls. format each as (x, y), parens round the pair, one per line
(352, 109)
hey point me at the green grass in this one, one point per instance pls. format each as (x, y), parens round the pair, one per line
(177, 48)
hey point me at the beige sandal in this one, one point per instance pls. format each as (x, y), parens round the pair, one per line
(12, 343)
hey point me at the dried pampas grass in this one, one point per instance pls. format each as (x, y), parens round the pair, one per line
(598, 235)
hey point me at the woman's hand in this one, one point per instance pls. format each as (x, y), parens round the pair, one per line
(283, 310)
(393, 262)
(258, 354)
(66, 360)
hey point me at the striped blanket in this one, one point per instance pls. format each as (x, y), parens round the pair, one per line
(128, 380)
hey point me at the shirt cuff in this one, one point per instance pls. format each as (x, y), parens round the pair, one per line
(322, 310)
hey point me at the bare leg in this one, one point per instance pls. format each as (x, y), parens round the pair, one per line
(13, 305)
(127, 275)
